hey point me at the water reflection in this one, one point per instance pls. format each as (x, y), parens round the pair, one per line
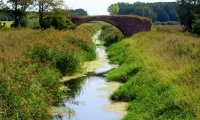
(86, 100)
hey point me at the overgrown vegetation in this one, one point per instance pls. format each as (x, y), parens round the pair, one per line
(110, 35)
(160, 71)
(32, 64)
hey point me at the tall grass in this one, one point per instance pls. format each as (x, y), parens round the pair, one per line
(161, 71)
(31, 64)
(110, 34)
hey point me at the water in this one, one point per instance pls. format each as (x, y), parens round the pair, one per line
(86, 100)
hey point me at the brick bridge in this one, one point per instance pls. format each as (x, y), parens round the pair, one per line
(127, 24)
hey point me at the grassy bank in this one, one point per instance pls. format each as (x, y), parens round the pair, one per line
(110, 34)
(160, 71)
(31, 64)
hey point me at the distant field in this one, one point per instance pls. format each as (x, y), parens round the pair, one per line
(8, 23)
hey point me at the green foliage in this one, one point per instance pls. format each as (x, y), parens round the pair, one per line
(113, 9)
(20, 97)
(2, 5)
(77, 12)
(187, 10)
(160, 11)
(2, 25)
(110, 35)
(46, 23)
(122, 74)
(167, 23)
(58, 23)
(196, 26)
(18, 11)
(66, 63)
(30, 74)
(158, 70)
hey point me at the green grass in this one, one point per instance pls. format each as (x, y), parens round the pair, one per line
(31, 64)
(7, 23)
(161, 71)
(110, 34)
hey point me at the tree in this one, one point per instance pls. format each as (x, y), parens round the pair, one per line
(185, 11)
(19, 10)
(2, 5)
(46, 5)
(160, 11)
(78, 12)
(113, 9)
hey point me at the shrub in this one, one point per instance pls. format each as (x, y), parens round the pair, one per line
(46, 23)
(61, 23)
(196, 26)
(2, 25)
(65, 62)
(110, 35)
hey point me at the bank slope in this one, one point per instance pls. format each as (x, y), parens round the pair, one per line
(32, 63)
(161, 74)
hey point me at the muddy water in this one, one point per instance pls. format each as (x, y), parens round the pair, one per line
(87, 98)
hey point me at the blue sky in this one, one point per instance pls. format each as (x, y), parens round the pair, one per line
(99, 7)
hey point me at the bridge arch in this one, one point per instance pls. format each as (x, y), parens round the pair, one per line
(127, 24)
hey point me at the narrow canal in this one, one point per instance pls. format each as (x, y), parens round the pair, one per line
(88, 97)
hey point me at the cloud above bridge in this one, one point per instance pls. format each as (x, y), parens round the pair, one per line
(99, 7)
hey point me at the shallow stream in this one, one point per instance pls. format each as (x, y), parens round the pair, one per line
(87, 97)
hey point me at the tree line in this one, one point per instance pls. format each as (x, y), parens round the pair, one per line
(187, 12)
(47, 13)
(77, 12)
(161, 11)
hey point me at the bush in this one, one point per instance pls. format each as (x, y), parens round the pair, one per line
(110, 35)
(46, 23)
(61, 23)
(196, 27)
(2, 25)
(66, 63)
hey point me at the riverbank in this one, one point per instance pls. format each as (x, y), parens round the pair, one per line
(94, 65)
(91, 83)
(160, 71)
(32, 63)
